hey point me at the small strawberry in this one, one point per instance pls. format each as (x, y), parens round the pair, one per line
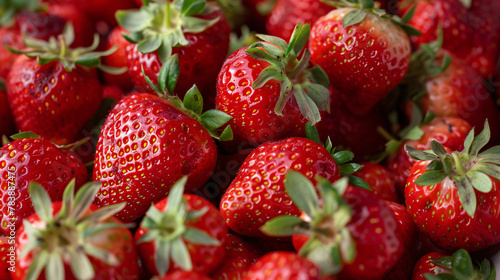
(452, 195)
(27, 159)
(365, 52)
(380, 180)
(7, 256)
(117, 59)
(269, 91)
(348, 231)
(73, 239)
(181, 232)
(282, 265)
(54, 90)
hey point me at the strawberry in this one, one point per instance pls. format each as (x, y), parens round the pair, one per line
(256, 84)
(148, 142)
(27, 159)
(470, 33)
(451, 195)
(7, 126)
(450, 132)
(365, 53)
(183, 275)
(7, 256)
(181, 232)
(194, 30)
(257, 194)
(73, 239)
(282, 265)
(380, 180)
(287, 13)
(117, 59)
(425, 265)
(53, 91)
(348, 230)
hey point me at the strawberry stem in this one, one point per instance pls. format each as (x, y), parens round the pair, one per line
(460, 169)
(62, 41)
(166, 21)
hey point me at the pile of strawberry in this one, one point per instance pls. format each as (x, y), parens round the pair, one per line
(159, 139)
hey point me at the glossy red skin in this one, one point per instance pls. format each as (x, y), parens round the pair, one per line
(471, 34)
(287, 13)
(145, 146)
(350, 131)
(438, 213)
(26, 160)
(118, 59)
(184, 275)
(257, 194)
(380, 180)
(9, 37)
(240, 255)
(460, 92)
(282, 265)
(206, 51)
(254, 119)
(7, 246)
(205, 258)
(364, 65)
(7, 126)
(450, 132)
(425, 265)
(409, 233)
(50, 101)
(118, 241)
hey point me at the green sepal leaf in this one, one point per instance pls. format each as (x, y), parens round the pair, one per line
(349, 168)
(302, 192)
(227, 134)
(162, 256)
(84, 198)
(180, 255)
(466, 3)
(420, 155)
(360, 183)
(319, 94)
(273, 40)
(319, 76)
(312, 133)
(192, 7)
(410, 30)
(480, 140)
(438, 149)
(409, 14)
(468, 141)
(199, 237)
(281, 226)
(150, 44)
(175, 196)
(81, 267)
(256, 52)
(467, 195)
(431, 178)
(55, 267)
(342, 157)
(367, 4)
(213, 119)
(462, 266)
(491, 169)
(150, 83)
(298, 38)
(414, 134)
(193, 100)
(354, 17)
(480, 181)
(306, 105)
(133, 20)
(25, 135)
(90, 61)
(41, 201)
(435, 165)
(37, 265)
(101, 254)
(444, 262)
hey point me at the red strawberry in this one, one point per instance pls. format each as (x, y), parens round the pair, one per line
(283, 265)
(73, 239)
(452, 196)
(450, 132)
(425, 265)
(257, 194)
(7, 256)
(347, 230)
(288, 13)
(198, 34)
(31, 159)
(7, 126)
(256, 84)
(181, 232)
(117, 59)
(469, 33)
(380, 180)
(365, 57)
(184, 275)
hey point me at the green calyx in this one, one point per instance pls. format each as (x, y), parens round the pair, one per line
(160, 26)
(32, 135)
(363, 7)
(212, 120)
(462, 268)
(65, 236)
(167, 229)
(57, 49)
(470, 170)
(342, 158)
(309, 85)
(330, 243)
(9, 8)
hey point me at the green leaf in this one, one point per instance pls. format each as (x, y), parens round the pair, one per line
(435, 165)
(467, 196)
(341, 185)
(410, 30)
(480, 181)
(409, 14)
(37, 265)
(55, 267)
(175, 195)
(133, 20)
(490, 169)
(438, 149)
(302, 192)
(273, 40)
(25, 135)
(485, 269)
(180, 255)
(162, 256)
(319, 94)
(312, 133)
(444, 262)
(468, 141)
(270, 73)
(322, 257)
(466, 3)
(193, 100)
(420, 155)
(480, 140)
(319, 76)
(306, 105)
(462, 266)
(367, 4)
(41, 201)
(281, 226)
(199, 237)
(150, 44)
(414, 134)
(213, 119)
(165, 50)
(347, 246)
(360, 183)
(349, 168)
(354, 17)
(430, 178)
(101, 254)
(343, 157)
(298, 39)
(192, 7)
(84, 198)
(196, 25)
(67, 199)
(169, 74)
(81, 267)
(89, 61)
(227, 134)
(150, 83)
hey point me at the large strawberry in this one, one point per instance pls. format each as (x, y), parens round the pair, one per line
(148, 142)
(452, 196)
(54, 90)
(347, 230)
(73, 239)
(181, 232)
(31, 159)
(283, 265)
(194, 30)
(269, 91)
(364, 52)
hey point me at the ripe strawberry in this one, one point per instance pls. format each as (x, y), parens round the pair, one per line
(426, 265)
(32, 159)
(52, 90)
(117, 59)
(288, 13)
(181, 232)
(256, 84)
(365, 55)
(73, 239)
(257, 194)
(452, 195)
(198, 33)
(7, 126)
(283, 265)
(450, 132)
(380, 180)
(7, 256)
(348, 231)
(470, 33)
(183, 275)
